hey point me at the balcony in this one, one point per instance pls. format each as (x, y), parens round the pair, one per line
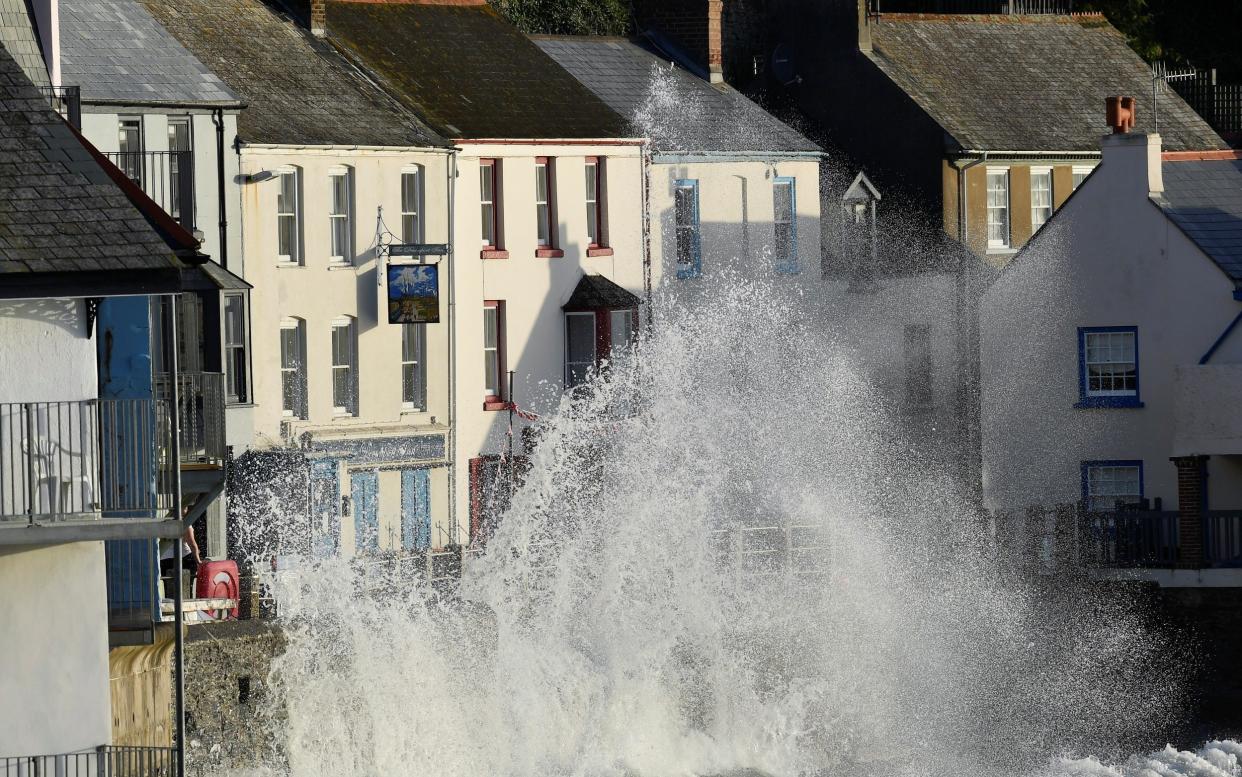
(166, 176)
(100, 461)
(200, 410)
(1205, 410)
(67, 101)
(103, 761)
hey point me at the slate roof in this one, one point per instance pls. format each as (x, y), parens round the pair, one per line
(1026, 83)
(117, 53)
(470, 73)
(678, 110)
(594, 292)
(1204, 198)
(59, 210)
(17, 34)
(298, 89)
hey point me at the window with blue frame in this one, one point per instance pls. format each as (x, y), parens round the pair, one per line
(1108, 367)
(1107, 485)
(364, 495)
(785, 225)
(689, 236)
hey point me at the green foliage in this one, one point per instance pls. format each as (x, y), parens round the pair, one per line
(1203, 33)
(567, 17)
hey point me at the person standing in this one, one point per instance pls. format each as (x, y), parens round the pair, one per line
(190, 556)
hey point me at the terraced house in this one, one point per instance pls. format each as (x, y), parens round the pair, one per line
(349, 407)
(548, 261)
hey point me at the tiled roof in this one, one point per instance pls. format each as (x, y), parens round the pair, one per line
(595, 292)
(1025, 83)
(59, 211)
(678, 110)
(117, 53)
(1204, 198)
(298, 89)
(470, 73)
(17, 34)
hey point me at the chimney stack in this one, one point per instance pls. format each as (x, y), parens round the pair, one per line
(319, 17)
(715, 53)
(1120, 112)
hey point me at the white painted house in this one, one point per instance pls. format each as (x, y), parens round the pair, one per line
(360, 405)
(548, 261)
(1111, 357)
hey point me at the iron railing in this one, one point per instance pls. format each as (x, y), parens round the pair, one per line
(80, 460)
(67, 101)
(770, 550)
(1139, 538)
(166, 176)
(103, 761)
(1222, 538)
(1032, 7)
(200, 413)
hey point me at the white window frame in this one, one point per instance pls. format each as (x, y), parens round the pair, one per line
(1111, 337)
(993, 243)
(350, 367)
(1109, 473)
(338, 214)
(1079, 170)
(489, 168)
(295, 213)
(231, 348)
(412, 210)
(1045, 210)
(419, 334)
(543, 206)
(297, 371)
(595, 201)
(494, 354)
(589, 315)
(619, 347)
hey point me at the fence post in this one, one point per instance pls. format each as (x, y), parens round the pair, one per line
(30, 463)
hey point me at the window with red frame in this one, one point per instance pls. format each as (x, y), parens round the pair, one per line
(594, 202)
(489, 202)
(593, 337)
(492, 483)
(493, 352)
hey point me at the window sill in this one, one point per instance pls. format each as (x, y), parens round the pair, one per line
(1109, 402)
(228, 405)
(289, 265)
(413, 411)
(599, 251)
(1001, 250)
(493, 253)
(340, 266)
(548, 253)
(342, 414)
(495, 404)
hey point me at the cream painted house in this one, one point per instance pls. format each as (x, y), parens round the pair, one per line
(359, 408)
(548, 257)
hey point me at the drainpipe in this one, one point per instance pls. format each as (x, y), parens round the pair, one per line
(451, 167)
(645, 161)
(217, 118)
(174, 418)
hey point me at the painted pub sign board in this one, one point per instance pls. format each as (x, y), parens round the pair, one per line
(413, 294)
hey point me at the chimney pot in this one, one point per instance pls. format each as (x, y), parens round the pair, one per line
(715, 48)
(1120, 112)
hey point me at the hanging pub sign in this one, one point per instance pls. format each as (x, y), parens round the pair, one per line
(413, 294)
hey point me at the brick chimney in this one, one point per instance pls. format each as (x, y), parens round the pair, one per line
(1133, 156)
(319, 17)
(715, 48)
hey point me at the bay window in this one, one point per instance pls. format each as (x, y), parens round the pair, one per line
(579, 347)
(236, 361)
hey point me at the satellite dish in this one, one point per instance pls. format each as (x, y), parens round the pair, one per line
(783, 69)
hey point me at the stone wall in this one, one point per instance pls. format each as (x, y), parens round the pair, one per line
(230, 720)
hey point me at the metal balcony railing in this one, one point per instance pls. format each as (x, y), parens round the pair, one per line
(200, 411)
(67, 101)
(166, 176)
(81, 460)
(1032, 7)
(104, 761)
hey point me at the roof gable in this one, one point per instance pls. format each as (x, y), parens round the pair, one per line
(470, 73)
(117, 53)
(1025, 83)
(595, 292)
(1203, 197)
(299, 90)
(675, 108)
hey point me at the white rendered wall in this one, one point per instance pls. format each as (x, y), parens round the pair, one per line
(54, 685)
(1108, 258)
(736, 206)
(318, 295)
(50, 333)
(533, 289)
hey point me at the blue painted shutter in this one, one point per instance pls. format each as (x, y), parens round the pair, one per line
(325, 507)
(698, 234)
(415, 509)
(364, 492)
